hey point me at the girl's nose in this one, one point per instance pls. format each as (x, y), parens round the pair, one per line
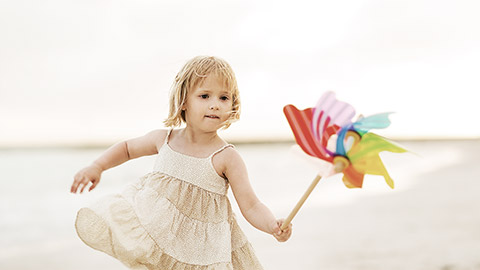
(214, 106)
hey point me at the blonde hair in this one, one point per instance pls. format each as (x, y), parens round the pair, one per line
(193, 73)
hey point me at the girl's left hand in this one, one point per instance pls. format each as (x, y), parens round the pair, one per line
(280, 235)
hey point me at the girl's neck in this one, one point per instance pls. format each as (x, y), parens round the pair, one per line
(197, 137)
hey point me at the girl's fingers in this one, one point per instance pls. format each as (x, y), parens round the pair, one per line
(84, 185)
(74, 187)
(78, 182)
(278, 229)
(94, 184)
(284, 235)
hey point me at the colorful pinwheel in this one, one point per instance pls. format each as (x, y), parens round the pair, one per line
(356, 150)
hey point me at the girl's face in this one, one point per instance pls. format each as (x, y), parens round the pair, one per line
(208, 104)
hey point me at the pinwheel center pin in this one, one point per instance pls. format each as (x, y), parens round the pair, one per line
(340, 163)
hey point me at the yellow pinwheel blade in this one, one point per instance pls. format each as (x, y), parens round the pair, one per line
(373, 165)
(370, 145)
(365, 155)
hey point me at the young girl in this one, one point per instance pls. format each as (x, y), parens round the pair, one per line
(179, 216)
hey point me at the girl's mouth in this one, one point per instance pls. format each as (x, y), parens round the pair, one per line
(212, 116)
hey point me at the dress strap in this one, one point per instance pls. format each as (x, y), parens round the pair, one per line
(168, 136)
(221, 149)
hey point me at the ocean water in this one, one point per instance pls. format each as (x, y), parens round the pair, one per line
(429, 221)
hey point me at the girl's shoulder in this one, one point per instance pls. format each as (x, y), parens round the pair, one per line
(160, 134)
(226, 159)
(158, 137)
(229, 156)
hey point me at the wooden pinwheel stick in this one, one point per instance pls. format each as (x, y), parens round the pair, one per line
(300, 202)
(338, 167)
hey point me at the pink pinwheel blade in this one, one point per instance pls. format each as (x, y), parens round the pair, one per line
(328, 112)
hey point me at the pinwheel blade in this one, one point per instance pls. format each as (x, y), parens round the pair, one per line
(330, 112)
(372, 144)
(376, 121)
(300, 123)
(365, 156)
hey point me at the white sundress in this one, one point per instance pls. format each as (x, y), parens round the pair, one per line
(176, 217)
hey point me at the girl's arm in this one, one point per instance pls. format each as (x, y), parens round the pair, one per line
(254, 211)
(116, 155)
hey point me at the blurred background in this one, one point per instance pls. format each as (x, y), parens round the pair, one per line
(97, 71)
(78, 76)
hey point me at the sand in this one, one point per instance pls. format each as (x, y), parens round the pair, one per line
(431, 220)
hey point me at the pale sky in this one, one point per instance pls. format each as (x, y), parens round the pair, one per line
(100, 71)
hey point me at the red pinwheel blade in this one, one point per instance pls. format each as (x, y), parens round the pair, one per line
(300, 123)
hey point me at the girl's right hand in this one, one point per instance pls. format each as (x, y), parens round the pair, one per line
(279, 234)
(86, 175)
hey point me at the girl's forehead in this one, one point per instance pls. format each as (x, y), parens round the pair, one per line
(213, 80)
(216, 77)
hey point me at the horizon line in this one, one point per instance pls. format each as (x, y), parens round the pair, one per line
(104, 144)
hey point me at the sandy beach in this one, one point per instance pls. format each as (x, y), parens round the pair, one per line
(430, 220)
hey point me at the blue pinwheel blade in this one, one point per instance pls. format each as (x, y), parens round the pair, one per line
(376, 121)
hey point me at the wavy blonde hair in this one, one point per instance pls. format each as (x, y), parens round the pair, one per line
(194, 73)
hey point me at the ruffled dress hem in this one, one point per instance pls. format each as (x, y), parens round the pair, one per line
(112, 226)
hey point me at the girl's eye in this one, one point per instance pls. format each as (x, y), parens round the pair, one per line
(204, 96)
(224, 98)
